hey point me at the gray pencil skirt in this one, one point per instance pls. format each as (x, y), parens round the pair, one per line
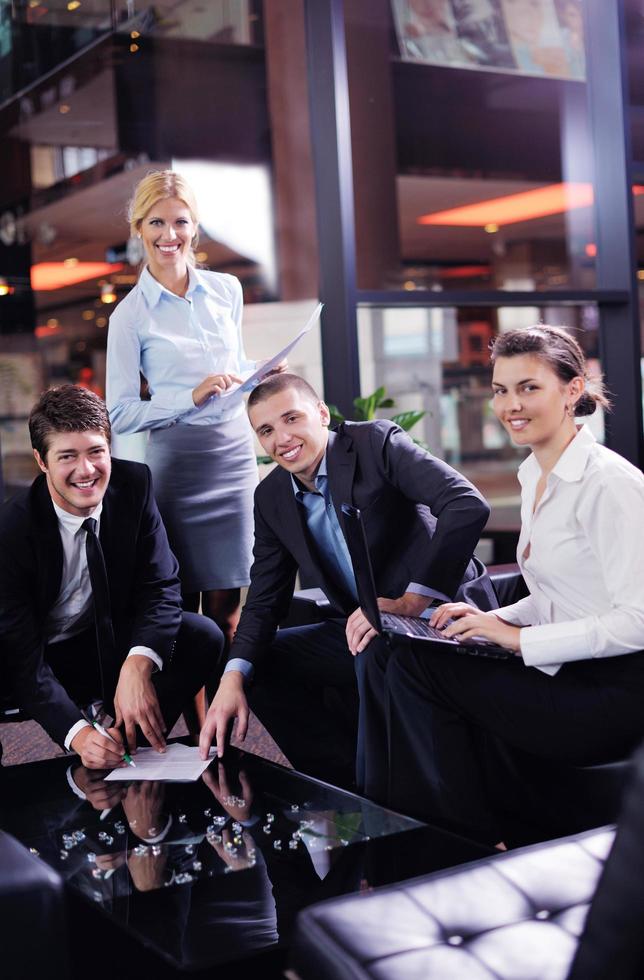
(204, 478)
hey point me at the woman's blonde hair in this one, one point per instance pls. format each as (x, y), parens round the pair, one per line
(156, 186)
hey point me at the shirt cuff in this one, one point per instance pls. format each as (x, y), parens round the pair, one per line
(147, 652)
(245, 667)
(551, 644)
(418, 589)
(184, 402)
(73, 732)
(161, 836)
(74, 788)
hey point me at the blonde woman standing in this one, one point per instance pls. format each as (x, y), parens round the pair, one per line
(180, 327)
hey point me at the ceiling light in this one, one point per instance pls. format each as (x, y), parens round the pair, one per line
(134, 48)
(491, 228)
(70, 263)
(107, 293)
(525, 206)
(73, 5)
(63, 108)
(57, 275)
(101, 321)
(88, 314)
(5, 288)
(201, 256)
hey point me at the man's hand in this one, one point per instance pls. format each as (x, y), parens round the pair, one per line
(96, 751)
(100, 794)
(144, 807)
(136, 703)
(239, 808)
(359, 630)
(229, 702)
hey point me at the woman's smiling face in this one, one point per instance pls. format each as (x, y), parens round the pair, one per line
(530, 400)
(167, 231)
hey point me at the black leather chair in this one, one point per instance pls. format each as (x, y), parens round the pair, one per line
(33, 930)
(571, 908)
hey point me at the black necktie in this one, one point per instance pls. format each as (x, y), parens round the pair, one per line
(101, 595)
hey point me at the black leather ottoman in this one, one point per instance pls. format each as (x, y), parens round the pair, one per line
(513, 916)
(33, 932)
(518, 915)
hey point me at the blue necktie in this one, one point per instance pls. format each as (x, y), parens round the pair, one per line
(322, 522)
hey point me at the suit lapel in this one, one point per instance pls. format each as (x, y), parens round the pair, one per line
(341, 468)
(49, 544)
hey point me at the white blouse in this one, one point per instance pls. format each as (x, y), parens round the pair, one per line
(581, 554)
(176, 342)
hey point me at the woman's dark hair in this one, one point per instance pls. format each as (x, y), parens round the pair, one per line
(561, 352)
(67, 408)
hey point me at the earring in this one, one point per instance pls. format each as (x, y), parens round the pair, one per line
(570, 411)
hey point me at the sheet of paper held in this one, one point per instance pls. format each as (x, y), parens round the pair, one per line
(253, 379)
(179, 763)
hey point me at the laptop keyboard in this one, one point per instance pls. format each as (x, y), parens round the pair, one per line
(413, 625)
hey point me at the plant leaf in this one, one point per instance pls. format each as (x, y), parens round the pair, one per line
(407, 420)
(336, 415)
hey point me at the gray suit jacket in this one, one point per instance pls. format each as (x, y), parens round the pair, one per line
(422, 520)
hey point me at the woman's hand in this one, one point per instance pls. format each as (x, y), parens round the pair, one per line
(214, 384)
(278, 369)
(469, 622)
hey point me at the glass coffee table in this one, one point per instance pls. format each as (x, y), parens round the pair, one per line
(166, 879)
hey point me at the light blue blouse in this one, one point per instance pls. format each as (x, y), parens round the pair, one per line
(176, 342)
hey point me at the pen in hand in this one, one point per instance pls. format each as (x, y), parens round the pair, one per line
(101, 731)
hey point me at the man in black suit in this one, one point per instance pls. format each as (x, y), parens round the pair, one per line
(422, 520)
(139, 657)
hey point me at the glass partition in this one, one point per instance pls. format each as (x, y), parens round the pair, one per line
(471, 144)
(435, 360)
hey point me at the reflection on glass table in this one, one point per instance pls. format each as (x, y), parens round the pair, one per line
(212, 871)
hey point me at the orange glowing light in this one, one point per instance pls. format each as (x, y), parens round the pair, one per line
(539, 203)
(57, 275)
(591, 250)
(465, 272)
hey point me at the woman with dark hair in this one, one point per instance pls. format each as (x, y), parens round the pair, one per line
(575, 691)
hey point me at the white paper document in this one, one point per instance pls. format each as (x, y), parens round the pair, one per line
(253, 379)
(179, 763)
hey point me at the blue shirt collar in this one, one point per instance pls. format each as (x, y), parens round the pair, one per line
(321, 473)
(153, 290)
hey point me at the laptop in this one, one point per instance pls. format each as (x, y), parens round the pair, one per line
(389, 624)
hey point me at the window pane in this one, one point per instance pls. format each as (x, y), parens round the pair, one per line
(472, 155)
(436, 360)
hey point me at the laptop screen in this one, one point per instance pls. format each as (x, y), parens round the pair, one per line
(359, 552)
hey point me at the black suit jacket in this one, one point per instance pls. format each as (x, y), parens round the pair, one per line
(422, 520)
(143, 579)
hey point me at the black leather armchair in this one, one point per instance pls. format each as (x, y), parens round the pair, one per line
(32, 917)
(522, 915)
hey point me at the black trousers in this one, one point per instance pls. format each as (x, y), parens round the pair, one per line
(305, 692)
(428, 716)
(196, 661)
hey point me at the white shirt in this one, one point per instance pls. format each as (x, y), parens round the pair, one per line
(176, 342)
(72, 612)
(581, 554)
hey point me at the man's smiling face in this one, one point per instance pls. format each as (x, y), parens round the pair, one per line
(293, 430)
(78, 466)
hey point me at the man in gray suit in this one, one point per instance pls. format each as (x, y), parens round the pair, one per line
(422, 521)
